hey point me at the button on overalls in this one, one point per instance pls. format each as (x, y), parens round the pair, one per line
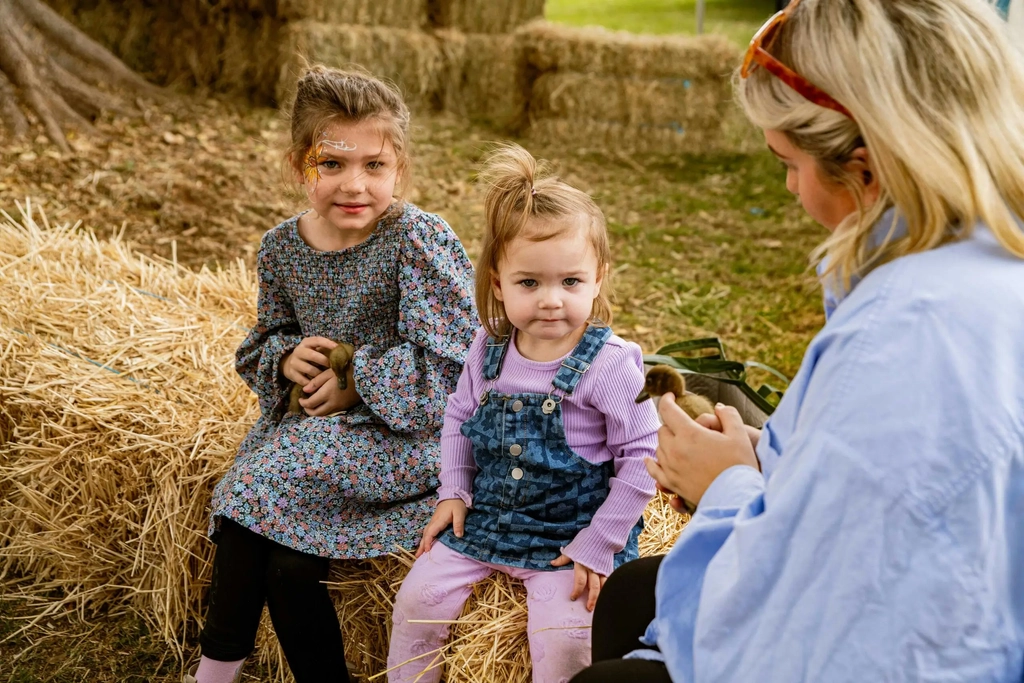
(532, 494)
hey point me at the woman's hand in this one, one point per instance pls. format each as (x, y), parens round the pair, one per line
(712, 422)
(584, 579)
(448, 512)
(691, 456)
(306, 361)
(324, 396)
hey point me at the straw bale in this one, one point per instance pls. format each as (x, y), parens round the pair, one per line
(676, 102)
(191, 42)
(549, 47)
(486, 78)
(616, 138)
(391, 13)
(412, 59)
(117, 381)
(485, 16)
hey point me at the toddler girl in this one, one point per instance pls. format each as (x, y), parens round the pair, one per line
(352, 475)
(543, 443)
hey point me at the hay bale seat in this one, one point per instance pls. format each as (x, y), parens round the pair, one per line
(618, 91)
(119, 411)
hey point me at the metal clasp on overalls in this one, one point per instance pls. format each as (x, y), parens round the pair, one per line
(550, 402)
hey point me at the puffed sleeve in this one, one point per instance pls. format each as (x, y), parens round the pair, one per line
(407, 385)
(275, 334)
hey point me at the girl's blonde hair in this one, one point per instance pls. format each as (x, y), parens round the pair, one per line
(519, 190)
(936, 91)
(325, 96)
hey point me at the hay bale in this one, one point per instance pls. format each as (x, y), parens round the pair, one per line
(412, 59)
(486, 78)
(485, 16)
(124, 408)
(390, 13)
(549, 47)
(619, 92)
(193, 42)
(675, 103)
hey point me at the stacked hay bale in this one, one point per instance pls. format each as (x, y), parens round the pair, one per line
(617, 91)
(119, 411)
(412, 59)
(193, 42)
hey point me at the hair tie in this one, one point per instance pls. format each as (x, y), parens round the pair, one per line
(533, 191)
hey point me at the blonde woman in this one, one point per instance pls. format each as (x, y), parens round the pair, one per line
(875, 530)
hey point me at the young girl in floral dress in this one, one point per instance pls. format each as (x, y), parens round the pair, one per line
(353, 475)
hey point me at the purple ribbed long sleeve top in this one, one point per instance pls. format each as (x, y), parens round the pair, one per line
(602, 422)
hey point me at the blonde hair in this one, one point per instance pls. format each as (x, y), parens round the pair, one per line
(519, 190)
(325, 96)
(935, 89)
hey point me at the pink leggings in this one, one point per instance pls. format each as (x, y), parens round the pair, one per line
(438, 586)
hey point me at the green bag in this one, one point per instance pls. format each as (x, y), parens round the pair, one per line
(709, 373)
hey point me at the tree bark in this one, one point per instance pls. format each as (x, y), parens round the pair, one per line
(53, 74)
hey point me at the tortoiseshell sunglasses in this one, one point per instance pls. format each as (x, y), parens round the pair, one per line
(757, 54)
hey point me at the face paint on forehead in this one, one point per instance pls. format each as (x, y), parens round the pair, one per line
(340, 145)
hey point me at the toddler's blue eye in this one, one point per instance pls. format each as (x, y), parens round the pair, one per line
(528, 283)
(570, 281)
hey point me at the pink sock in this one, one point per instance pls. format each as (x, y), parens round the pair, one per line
(212, 671)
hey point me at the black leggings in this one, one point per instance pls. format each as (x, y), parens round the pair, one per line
(250, 570)
(624, 609)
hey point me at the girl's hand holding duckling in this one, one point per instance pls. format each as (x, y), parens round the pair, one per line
(324, 396)
(307, 360)
(585, 579)
(691, 456)
(448, 512)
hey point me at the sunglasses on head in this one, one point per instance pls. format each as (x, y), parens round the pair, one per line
(758, 55)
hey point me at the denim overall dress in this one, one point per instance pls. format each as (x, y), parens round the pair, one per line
(532, 494)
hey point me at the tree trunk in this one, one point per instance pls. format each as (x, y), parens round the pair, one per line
(50, 72)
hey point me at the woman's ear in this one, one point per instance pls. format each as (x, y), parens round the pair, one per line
(496, 286)
(861, 167)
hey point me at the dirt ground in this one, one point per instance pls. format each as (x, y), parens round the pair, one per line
(703, 246)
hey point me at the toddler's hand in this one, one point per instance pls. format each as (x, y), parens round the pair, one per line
(453, 512)
(324, 396)
(306, 361)
(584, 579)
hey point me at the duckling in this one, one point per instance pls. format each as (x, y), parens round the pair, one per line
(664, 379)
(339, 357)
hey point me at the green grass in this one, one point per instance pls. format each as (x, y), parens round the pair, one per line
(737, 19)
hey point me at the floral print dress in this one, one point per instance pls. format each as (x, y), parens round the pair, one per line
(360, 483)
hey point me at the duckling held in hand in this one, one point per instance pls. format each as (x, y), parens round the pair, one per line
(339, 357)
(664, 379)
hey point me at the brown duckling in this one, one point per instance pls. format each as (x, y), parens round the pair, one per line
(664, 379)
(339, 357)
